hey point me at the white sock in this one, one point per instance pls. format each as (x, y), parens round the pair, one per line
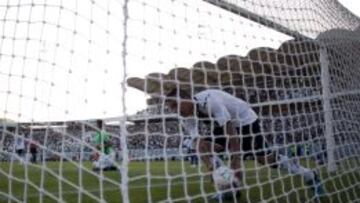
(295, 168)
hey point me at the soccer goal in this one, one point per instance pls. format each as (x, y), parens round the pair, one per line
(179, 101)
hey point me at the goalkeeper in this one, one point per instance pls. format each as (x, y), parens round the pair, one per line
(228, 118)
(104, 157)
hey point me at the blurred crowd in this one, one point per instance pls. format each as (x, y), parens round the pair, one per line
(75, 139)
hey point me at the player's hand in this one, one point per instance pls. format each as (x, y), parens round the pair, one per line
(95, 156)
(108, 144)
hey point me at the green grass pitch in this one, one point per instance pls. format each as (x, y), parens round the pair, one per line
(162, 181)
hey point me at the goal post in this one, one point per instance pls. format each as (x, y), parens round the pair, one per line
(338, 41)
(328, 117)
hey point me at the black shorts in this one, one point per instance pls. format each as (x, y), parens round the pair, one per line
(252, 140)
(19, 151)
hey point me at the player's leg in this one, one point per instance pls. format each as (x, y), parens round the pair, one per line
(262, 154)
(291, 166)
(310, 176)
(95, 161)
(243, 142)
(234, 146)
(109, 160)
(256, 143)
(101, 163)
(20, 153)
(33, 156)
(269, 159)
(96, 165)
(192, 157)
(206, 150)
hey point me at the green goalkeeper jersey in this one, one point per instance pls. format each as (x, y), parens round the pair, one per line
(102, 138)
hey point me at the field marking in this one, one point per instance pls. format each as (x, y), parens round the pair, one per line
(275, 177)
(131, 187)
(114, 189)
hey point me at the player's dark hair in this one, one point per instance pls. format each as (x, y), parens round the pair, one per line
(99, 123)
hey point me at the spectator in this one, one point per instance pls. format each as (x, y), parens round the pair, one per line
(20, 145)
(33, 146)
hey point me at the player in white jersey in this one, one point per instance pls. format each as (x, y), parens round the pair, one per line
(20, 144)
(235, 128)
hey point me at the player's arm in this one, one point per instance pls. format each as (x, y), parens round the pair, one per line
(108, 143)
(223, 118)
(95, 156)
(234, 148)
(97, 142)
(234, 140)
(105, 143)
(230, 128)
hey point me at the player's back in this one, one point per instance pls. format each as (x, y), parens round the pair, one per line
(101, 138)
(232, 103)
(236, 107)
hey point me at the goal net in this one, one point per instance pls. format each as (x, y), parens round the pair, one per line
(87, 94)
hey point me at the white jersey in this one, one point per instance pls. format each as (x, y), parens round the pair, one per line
(224, 107)
(20, 143)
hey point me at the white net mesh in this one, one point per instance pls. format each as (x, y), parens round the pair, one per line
(76, 128)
